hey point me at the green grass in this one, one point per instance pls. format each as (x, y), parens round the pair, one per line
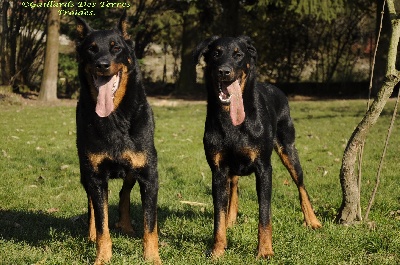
(43, 206)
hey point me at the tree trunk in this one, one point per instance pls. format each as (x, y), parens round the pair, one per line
(48, 87)
(5, 77)
(186, 84)
(383, 47)
(348, 180)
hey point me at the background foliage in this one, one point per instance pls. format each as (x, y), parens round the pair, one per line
(297, 41)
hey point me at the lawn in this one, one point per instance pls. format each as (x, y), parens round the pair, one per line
(43, 206)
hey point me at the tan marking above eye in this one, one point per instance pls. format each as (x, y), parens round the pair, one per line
(112, 43)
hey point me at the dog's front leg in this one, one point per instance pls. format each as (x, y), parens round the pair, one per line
(124, 222)
(233, 201)
(264, 191)
(98, 205)
(149, 192)
(220, 200)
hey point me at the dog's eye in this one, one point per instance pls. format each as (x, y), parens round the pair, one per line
(238, 55)
(216, 54)
(92, 48)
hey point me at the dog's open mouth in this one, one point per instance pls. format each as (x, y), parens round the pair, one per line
(106, 86)
(224, 95)
(230, 93)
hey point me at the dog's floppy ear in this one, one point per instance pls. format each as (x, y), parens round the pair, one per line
(202, 48)
(249, 45)
(82, 28)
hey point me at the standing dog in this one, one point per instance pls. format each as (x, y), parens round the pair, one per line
(115, 135)
(245, 121)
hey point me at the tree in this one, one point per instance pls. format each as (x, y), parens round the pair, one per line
(187, 75)
(230, 17)
(48, 88)
(4, 28)
(21, 44)
(349, 210)
(383, 47)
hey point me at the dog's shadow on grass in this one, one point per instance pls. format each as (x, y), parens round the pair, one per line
(37, 228)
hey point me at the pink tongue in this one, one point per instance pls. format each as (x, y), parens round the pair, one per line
(105, 103)
(236, 105)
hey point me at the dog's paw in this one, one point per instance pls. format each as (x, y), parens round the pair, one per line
(265, 253)
(217, 252)
(125, 227)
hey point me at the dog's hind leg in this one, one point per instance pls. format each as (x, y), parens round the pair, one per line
(284, 146)
(124, 222)
(233, 201)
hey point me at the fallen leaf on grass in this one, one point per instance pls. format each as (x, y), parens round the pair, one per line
(286, 182)
(194, 203)
(53, 210)
(63, 167)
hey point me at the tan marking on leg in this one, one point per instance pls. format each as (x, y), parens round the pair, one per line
(233, 202)
(103, 242)
(96, 159)
(124, 222)
(220, 241)
(136, 159)
(309, 215)
(286, 162)
(265, 241)
(150, 245)
(92, 225)
(308, 212)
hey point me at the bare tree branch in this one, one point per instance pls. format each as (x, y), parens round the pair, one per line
(348, 180)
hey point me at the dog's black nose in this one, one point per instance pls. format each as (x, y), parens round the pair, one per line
(224, 71)
(102, 65)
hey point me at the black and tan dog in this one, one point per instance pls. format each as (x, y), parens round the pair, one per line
(245, 121)
(115, 130)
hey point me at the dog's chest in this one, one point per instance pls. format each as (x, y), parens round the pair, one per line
(236, 151)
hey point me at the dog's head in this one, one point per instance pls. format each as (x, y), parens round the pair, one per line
(229, 61)
(106, 57)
